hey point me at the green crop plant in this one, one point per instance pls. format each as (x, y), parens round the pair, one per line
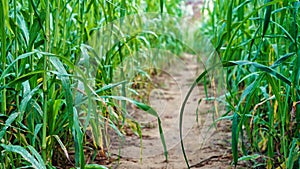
(49, 102)
(44, 113)
(258, 43)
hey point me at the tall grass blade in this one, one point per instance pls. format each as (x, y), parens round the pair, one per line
(36, 131)
(229, 18)
(37, 156)
(23, 78)
(3, 15)
(293, 155)
(161, 3)
(282, 59)
(235, 136)
(73, 117)
(26, 155)
(63, 147)
(78, 141)
(199, 78)
(94, 166)
(28, 94)
(262, 68)
(8, 123)
(267, 18)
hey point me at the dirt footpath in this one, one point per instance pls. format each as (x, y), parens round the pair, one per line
(206, 145)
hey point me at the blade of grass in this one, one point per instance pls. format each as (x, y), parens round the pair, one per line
(63, 147)
(149, 110)
(267, 18)
(78, 140)
(230, 41)
(161, 3)
(94, 166)
(26, 99)
(198, 80)
(282, 59)
(264, 68)
(3, 13)
(229, 18)
(293, 155)
(296, 71)
(73, 125)
(235, 137)
(36, 131)
(8, 123)
(26, 155)
(37, 156)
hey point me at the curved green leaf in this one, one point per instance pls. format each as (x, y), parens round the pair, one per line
(26, 155)
(8, 122)
(264, 68)
(149, 110)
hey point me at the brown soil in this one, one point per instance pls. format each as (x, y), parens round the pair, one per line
(206, 145)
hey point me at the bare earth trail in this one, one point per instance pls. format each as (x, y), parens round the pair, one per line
(206, 146)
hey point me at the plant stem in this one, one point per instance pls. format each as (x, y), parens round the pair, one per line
(3, 52)
(45, 88)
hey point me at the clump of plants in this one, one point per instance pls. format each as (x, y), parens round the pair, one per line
(52, 113)
(258, 43)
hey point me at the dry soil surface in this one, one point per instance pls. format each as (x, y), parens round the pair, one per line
(206, 145)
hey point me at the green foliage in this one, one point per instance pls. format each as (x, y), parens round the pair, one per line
(258, 42)
(36, 161)
(48, 104)
(42, 109)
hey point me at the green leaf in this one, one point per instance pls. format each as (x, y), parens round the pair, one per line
(161, 2)
(22, 24)
(5, 73)
(249, 157)
(94, 166)
(234, 137)
(199, 78)
(267, 18)
(36, 131)
(8, 122)
(285, 31)
(293, 155)
(24, 77)
(37, 156)
(26, 155)
(27, 97)
(264, 68)
(149, 110)
(78, 139)
(63, 147)
(229, 19)
(109, 86)
(282, 59)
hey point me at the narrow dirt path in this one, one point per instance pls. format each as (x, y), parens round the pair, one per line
(206, 146)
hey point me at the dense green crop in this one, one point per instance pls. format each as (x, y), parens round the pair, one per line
(48, 105)
(258, 42)
(44, 113)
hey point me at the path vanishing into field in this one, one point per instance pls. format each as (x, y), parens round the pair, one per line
(206, 146)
